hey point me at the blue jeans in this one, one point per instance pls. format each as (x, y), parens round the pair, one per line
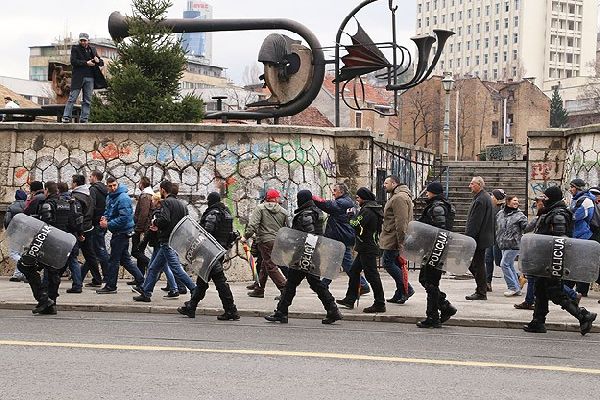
(99, 245)
(530, 296)
(119, 255)
(493, 255)
(171, 282)
(346, 265)
(165, 256)
(508, 269)
(75, 267)
(88, 89)
(392, 267)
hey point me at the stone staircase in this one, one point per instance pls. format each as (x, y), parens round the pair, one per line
(508, 175)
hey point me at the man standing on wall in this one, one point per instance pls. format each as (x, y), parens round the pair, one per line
(397, 213)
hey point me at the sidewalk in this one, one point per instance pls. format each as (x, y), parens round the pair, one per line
(496, 312)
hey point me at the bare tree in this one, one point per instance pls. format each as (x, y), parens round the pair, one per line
(423, 111)
(590, 93)
(251, 74)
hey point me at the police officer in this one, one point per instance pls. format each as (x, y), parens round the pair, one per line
(61, 214)
(218, 221)
(436, 213)
(307, 218)
(555, 219)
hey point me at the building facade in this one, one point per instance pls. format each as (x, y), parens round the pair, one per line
(198, 44)
(548, 40)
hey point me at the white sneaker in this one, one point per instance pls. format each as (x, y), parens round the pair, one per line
(511, 293)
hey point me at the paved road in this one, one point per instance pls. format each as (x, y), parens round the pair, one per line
(144, 356)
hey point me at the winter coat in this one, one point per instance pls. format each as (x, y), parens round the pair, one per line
(367, 225)
(338, 223)
(82, 195)
(79, 58)
(510, 225)
(171, 212)
(31, 205)
(308, 218)
(265, 221)
(398, 212)
(218, 221)
(582, 207)
(480, 220)
(435, 212)
(143, 211)
(119, 211)
(15, 208)
(555, 220)
(98, 193)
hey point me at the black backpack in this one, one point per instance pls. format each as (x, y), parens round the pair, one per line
(450, 214)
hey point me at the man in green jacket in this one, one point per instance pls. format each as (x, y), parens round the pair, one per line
(265, 221)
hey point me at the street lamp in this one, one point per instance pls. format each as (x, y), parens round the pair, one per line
(447, 84)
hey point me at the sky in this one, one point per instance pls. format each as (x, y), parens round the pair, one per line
(41, 22)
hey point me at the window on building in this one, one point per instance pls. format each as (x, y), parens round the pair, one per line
(496, 41)
(506, 6)
(478, 12)
(571, 8)
(418, 22)
(435, 20)
(451, 17)
(459, 31)
(468, 45)
(495, 58)
(458, 46)
(477, 43)
(497, 8)
(515, 38)
(449, 63)
(444, 19)
(358, 118)
(487, 26)
(435, 4)
(487, 11)
(515, 54)
(486, 43)
(570, 41)
(505, 40)
(485, 58)
(570, 58)
(426, 21)
(467, 63)
(476, 60)
(427, 6)
(506, 23)
(457, 62)
(505, 56)
(469, 13)
(497, 24)
(495, 74)
(516, 4)
(485, 75)
(419, 8)
(468, 29)
(494, 128)
(516, 19)
(460, 15)
(478, 28)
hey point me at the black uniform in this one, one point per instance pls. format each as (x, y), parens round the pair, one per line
(436, 214)
(58, 213)
(555, 220)
(218, 221)
(308, 218)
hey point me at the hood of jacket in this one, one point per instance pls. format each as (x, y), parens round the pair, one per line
(120, 190)
(374, 206)
(83, 189)
(148, 190)
(402, 188)
(101, 187)
(272, 207)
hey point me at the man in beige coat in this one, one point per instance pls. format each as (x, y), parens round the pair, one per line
(265, 221)
(397, 213)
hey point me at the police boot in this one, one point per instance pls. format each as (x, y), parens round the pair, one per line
(277, 316)
(43, 303)
(535, 326)
(429, 322)
(49, 310)
(447, 310)
(187, 310)
(229, 315)
(584, 317)
(332, 316)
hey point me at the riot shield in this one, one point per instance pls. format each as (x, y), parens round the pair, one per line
(438, 248)
(43, 243)
(316, 255)
(559, 257)
(195, 247)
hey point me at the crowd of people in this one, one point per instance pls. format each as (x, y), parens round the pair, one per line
(367, 230)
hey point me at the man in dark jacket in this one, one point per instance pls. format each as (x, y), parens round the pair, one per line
(86, 75)
(493, 254)
(367, 225)
(340, 210)
(218, 221)
(307, 218)
(555, 219)
(480, 226)
(171, 212)
(142, 217)
(36, 196)
(118, 219)
(15, 208)
(98, 193)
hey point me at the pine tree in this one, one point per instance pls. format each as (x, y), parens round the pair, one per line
(143, 83)
(558, 115)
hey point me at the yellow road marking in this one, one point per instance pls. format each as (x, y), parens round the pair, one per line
(278, 353)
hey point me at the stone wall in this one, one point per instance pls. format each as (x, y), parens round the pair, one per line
(238, 161)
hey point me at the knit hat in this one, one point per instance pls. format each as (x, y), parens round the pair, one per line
(365, 194)
(213, 198)
(595, 191)
(303, 196)
(83, 35)
(20, 195)
(35, 186)
(553, 194)
(272, 194)
(499, 194)
(435, 188)
(578, 183)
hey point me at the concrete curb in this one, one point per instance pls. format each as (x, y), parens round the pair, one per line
(141, 309)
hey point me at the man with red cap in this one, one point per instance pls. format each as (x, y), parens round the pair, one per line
(265, 221)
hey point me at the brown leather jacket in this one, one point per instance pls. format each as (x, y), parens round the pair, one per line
(398, 212)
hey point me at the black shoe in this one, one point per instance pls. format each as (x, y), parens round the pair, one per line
(447, 312)
(375, 308)
(488, 287)
(137, 289)
(14, 279)
(229, 316)
(171, 295)
(535, 326)
(165, 289)
(429, 323)
(346, 303)
(132, 283)
(253, 286)
(142, 298)
(277, 316)
(259, 293)
(182, 291)
(396, 300)
(332, 317)
(106, 290)
(93, 284)
(65, 120)
(74, 290)
(585, 324)
(41, 306)
(187, 311)
(476, 296)
(49, 310)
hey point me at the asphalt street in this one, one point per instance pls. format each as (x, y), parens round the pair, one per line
(143, 356)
